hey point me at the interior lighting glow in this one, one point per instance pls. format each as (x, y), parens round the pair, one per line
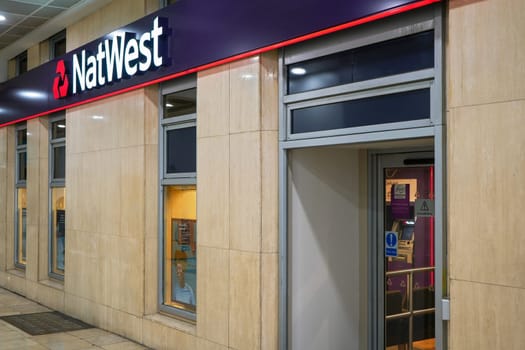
(169, 105)
(97, 117)
(61, 126)
(298, 71)
(2, 18)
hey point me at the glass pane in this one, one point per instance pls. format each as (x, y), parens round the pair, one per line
(180, 247)
(410, 274)
(181, 150)
(59, 47)
(58, 129)
(402, 55)
(180, 103)
(59, 162)
(21, 137)
(21, 61)
(398, 107)
(22, 166)
(58, 238)
(21, 256)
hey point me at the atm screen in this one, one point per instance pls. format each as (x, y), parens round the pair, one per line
(408, 232)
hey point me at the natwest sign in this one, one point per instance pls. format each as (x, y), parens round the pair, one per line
(182, 38)
(123, 56)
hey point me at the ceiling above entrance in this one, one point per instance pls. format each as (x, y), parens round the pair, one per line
(20, 17)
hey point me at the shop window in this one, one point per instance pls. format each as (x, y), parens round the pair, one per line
(57, 45)
(178, 284)
(21, 195)
(57, 190)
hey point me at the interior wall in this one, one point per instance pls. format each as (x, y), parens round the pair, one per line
(486, 167)
(325, 249)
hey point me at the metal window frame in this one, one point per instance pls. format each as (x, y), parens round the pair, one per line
(18, 184)
(424, 19)
(165, 179)
(53, 183)
(53, 41)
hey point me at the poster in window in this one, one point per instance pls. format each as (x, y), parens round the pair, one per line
(184, 277)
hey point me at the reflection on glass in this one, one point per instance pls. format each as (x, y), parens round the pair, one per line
(409, 277)
(22, 166)
(58, 129)
(58, 238)
(180, 103)
(181, 150)
(180, 247)
(21, 256)
(21, 137)
(59, 162)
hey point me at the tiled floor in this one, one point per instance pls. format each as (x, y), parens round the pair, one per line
(12, 338)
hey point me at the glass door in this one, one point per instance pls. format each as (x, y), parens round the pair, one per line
(407, 262)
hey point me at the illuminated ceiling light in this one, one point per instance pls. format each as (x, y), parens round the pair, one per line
(33, 95)
(247, 76)
(169, 105)
(97, 117)
(2, 18)
(61, 126)
(298, 71)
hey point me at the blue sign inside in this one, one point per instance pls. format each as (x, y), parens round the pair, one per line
(391, 243)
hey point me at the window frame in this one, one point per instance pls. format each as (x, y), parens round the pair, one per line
(54, 183)
(354, 39)
(53, 41)
(19, 183)
(172, 179)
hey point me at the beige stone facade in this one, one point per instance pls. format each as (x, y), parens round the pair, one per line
(485, 114)
(112, 184)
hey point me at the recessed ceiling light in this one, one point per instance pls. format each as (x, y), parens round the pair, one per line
(2, 18)
(169, 105)
(298, 71)
(97, 117)
(61, 126)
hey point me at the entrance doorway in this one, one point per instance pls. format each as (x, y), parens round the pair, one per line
(406, 260)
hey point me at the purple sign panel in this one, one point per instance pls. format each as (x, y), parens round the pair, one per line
(182, 38)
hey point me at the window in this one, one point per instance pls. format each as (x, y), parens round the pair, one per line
(57, 45)
(21, 63)
(57, 194)
(21, 195)
(365, 83)
(179, 199)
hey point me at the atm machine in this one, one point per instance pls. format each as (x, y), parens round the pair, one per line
(405, 232)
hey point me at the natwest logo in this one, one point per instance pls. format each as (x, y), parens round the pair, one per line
(122, 56)
(61, 82)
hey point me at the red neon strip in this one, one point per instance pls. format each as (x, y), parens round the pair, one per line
(279, 45)
(432, 226)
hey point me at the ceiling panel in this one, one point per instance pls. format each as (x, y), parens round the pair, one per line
(64, 3)
(48, 12)
(17, 7)
(22, 16)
